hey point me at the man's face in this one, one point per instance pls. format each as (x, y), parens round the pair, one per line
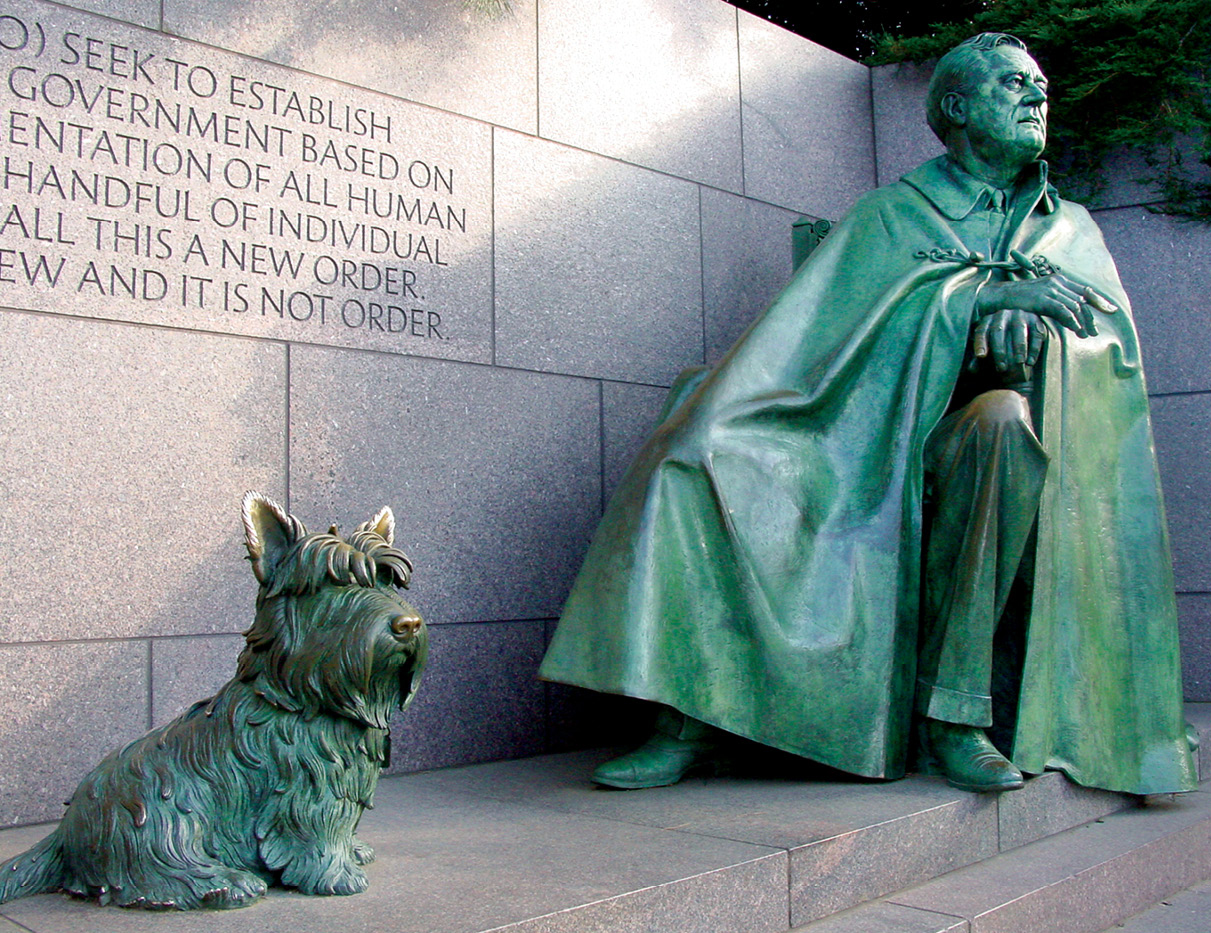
(1007, 108)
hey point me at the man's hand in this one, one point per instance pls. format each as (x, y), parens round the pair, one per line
(1055, 296)
(1011, 337)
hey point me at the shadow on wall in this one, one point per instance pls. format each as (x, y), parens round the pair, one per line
(451, 55)
(438, 52)
(495, 474)
(123, 523)
(603, 271)
(654, 82)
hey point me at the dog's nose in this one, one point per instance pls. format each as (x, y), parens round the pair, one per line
(406, 624)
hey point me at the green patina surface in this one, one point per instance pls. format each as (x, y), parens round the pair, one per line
(760, 566)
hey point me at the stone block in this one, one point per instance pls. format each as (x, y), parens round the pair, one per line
(124, 454)
(598, 265)
(889, 918)
(747, 898)
(140, 12)
(878, 857)
(807, 122)
(458, 864)
(480, 699)
(646, 81)
(903, 140)
(1049, 804)
(493, 475)
(1182, 426)
(746, 261)
(185, 670)
(454, 57)
(1183, 913)
(1194, 620)
(1162, 262)
(1111, 869)
(848, 841)
(219, 193)
(1123, 188)
(629, 415)
(64, 707)
(1126, 173)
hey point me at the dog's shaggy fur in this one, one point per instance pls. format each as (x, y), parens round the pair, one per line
(265, 782)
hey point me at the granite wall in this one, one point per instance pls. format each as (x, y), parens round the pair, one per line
(352, 253)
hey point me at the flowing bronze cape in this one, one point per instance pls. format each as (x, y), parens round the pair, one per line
(759, 566)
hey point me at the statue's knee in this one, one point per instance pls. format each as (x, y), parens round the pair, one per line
(999, 409)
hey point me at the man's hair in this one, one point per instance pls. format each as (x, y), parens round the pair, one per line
(954, 73)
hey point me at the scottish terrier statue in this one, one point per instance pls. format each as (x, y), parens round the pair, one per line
(265, 782)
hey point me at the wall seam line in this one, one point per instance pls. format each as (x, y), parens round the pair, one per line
(874, 133)
(151, 684)
(740, 110)
(492, 247)
(113, 640)
(378, 351)
(537, 72)
(601, 443)
(790, 885)
(289, 467)
(702, 273)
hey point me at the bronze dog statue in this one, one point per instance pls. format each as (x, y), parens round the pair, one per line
(265, 782)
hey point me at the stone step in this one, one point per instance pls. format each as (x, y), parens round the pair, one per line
(1080, 881)
(1188, 911)
(530, 846)
(1061, 901)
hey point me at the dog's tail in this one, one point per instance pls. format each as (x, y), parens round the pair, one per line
(34, 871)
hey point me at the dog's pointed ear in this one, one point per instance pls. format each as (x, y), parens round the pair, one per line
(268, 532)
(383, 525)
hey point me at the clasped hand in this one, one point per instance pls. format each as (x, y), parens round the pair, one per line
(1010, 326)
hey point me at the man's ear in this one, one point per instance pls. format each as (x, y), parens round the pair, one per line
(954, 106)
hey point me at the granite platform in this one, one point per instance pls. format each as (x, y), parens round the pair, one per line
(530, 846)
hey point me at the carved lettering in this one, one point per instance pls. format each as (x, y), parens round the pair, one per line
(169, 178)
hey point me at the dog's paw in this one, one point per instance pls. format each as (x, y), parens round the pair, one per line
(233, 888)
(363, 854)
(216, 887)
(325, 874)
(349, 879)
(339, 880)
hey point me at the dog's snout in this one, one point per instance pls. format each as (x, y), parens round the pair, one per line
(406, 624)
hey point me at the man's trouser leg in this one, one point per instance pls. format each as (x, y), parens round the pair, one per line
(987, 469)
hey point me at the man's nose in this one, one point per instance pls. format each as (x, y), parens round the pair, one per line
(1035, 94)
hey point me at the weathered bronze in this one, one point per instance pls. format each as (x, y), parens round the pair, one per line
(265, 782)
(924, 476)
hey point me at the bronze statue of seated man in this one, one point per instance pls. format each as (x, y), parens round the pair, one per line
(936, 440)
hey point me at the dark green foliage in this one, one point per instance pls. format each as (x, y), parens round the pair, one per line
(1125, 74)
(851, 26)
(265, 782)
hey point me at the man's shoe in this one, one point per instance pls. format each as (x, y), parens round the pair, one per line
(968, 759)
(660, 761)
(679, 745)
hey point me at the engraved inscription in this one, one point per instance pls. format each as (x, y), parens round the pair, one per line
(146, 178)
